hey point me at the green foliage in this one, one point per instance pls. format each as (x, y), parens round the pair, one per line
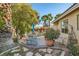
(46, 18)
(15, 40)
(50, 17)
(73, 49)
(1, 24)
(1, 19)
(52, 34)
(23, 17)
(58, 15)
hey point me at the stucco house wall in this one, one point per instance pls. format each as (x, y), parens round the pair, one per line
(72, 20)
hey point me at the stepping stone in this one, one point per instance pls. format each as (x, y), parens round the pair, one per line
(13, 51)
(43, 50)
(56, 52)
(48, 55)
(29, 54)
(17, 54)
(38, 54)
(49, 50)
(63, 53)
(25, 49)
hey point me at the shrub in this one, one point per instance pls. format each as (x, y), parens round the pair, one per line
(52, 34)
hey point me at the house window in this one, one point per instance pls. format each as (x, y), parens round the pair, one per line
(77, 22)
(64, 26)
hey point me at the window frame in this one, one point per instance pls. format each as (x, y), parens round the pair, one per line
(63, 29)
(77, 22)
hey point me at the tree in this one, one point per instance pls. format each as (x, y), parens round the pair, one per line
(2, 22)
(47, 17)
(6, 11)
(58, 15)
(50, 17)
(44, 18)
(23, 17)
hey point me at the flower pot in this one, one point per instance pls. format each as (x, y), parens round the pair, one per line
(50, 42)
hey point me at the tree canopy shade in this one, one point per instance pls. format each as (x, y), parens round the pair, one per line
(23, 16)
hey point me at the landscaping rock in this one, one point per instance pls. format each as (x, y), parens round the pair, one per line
(25, 49)
(56, 52)
(17, 54)
(38, 54)
(43, 50)
(49, 50)
(13, 51)
(48, 55)
(6, 41)
(62, 53)
(42, 53)
(29, 54)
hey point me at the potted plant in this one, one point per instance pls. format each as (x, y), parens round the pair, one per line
(51, 35)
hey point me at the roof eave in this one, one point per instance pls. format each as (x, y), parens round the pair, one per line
(69, 10)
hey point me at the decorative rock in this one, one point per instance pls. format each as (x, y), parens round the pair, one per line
(63, 53)
(15, 50)
(48, 55)
(42, 53)
(37, 54)
(25, 49)
(49, 50)
(17, 54)
(29, 54)
(44, 50)
(56, 52)
(6, 41)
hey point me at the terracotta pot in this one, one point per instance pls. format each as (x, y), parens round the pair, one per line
(50, 42)
(35, 29)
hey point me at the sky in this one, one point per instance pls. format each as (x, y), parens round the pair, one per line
(53, 8)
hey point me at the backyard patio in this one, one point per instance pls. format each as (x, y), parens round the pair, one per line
(35, 46)
(24, 33)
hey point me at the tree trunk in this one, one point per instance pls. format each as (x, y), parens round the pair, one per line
(49, 23)
(45, 23)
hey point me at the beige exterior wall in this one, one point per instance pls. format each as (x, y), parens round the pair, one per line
(72, 20)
